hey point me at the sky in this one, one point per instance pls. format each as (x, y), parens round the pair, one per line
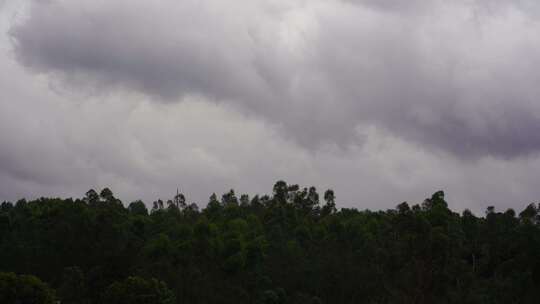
(383, 101)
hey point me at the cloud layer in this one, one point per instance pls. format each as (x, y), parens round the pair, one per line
(461, 76)
(381, 100)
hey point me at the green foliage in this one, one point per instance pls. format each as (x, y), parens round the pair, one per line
(73, 288)
(136, 290)
(138, 207)
(287, 247)
(24, 289)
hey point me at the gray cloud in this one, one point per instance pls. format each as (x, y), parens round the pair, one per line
(460, 77)
(383, 101)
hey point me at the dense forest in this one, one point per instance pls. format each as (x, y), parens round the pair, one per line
(293, 246)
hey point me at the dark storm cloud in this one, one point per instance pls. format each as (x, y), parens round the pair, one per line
(158, 49)
(459, 77)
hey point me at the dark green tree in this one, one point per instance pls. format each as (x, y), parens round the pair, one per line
(24, 289)
(137, 290)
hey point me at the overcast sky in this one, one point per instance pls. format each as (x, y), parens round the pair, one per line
(383, 101)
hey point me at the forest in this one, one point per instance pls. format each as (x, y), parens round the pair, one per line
(292, 246)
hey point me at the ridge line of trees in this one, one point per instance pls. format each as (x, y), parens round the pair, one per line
(288, 247)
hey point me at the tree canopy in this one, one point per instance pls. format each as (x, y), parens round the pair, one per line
(288, 247)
